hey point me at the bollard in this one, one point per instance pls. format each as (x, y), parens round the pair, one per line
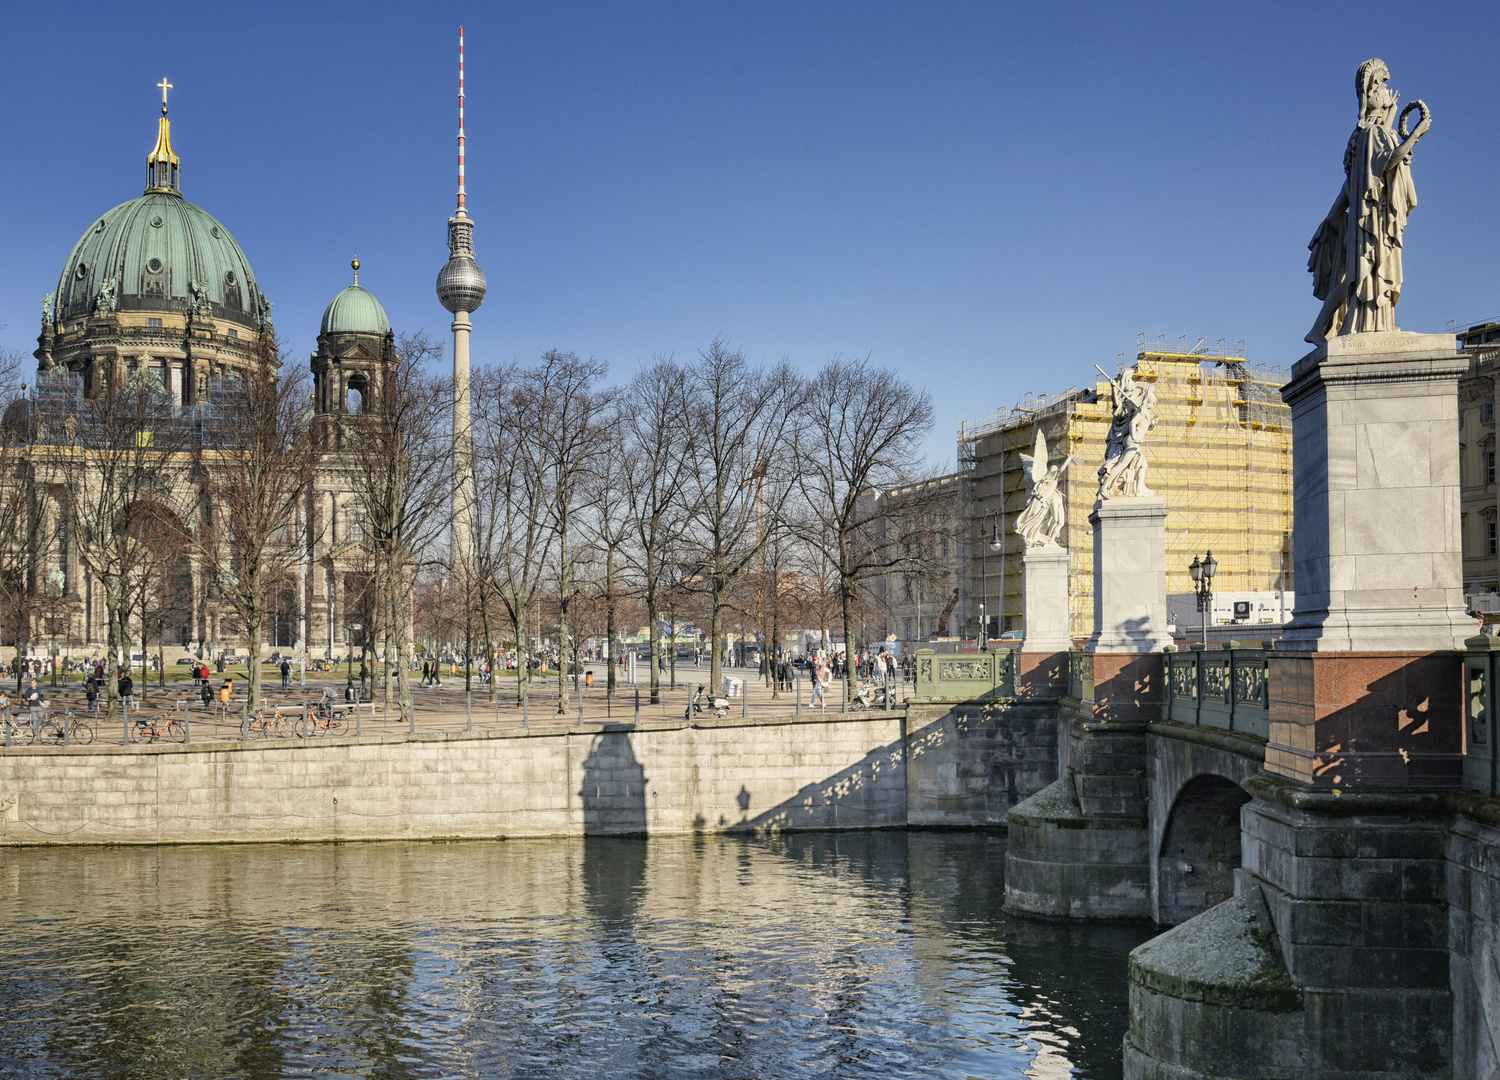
(526, 704)
(67, 727)
(411, 719)
(637, 704)
(469, 708)
(5, 718)
(306, 719)
(124, 719)
(187, 723)
(358, 727)
(798, 680)
(580, 704)
(745, 698)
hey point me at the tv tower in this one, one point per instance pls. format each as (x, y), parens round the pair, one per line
(461, 288)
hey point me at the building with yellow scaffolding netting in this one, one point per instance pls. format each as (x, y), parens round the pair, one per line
(1220, 455)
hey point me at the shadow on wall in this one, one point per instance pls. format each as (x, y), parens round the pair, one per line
(871, 793)
(614, 786)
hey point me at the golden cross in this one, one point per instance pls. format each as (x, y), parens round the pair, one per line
(165, 86)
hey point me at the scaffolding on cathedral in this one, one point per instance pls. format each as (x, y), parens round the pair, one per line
(1221, 457)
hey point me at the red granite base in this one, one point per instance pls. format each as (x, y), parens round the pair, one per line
(1128, 687)
(1041, 675)
(1366, 719)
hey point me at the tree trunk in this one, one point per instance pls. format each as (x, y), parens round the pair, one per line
(846, 602)
(609, 622)
(564, 581)
(716, 635)
(112, 651)
(252, 644)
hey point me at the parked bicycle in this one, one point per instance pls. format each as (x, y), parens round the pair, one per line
(17, 728)
(64, 731)
(323, 718)
(150, 728)
(274, 726)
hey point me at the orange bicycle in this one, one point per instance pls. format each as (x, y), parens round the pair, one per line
(150, 728)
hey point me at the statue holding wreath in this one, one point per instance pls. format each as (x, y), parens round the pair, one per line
(1356, 252)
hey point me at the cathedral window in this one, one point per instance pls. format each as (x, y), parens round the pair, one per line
(233, 332)
(153, 322)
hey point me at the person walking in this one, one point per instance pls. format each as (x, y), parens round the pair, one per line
(286, 674)
(818, 677)
(126, 687)
(426, 671)
(91, 692)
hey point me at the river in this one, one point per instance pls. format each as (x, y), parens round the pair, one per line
(880, 954)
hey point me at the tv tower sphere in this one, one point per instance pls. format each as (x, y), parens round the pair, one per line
(460, 283)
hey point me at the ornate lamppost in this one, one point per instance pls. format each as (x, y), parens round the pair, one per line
(994, 543)
(1202, 574)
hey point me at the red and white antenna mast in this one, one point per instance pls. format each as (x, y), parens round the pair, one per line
(463, 210)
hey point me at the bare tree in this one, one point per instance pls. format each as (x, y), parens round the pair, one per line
(512, 507)
(859, 447)
(400, 453)
(562, 398)
(739, 420)
(122, 458)
(256, 463)
(611, 524)
(653, 425)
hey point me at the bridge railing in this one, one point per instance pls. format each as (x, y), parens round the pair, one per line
(1481, 685)
(1219, 688)
(965, 676)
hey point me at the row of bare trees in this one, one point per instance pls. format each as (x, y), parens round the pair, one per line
(732, 493)
(713, 487)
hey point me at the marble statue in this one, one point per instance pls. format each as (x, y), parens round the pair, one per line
(1042, 519)
(1135, 413)
(1356, 252)
(47, 302)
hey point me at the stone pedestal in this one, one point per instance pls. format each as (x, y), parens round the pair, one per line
(1130, 576)
(1322, 964)
(1044, 600)
(1080, 848)
(1379, 563)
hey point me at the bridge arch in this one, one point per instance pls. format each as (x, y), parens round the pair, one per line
(1200, 848)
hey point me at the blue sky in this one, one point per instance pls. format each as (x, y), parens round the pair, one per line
(991, 197)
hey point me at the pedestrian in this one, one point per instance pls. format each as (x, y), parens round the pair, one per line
(426, 671)
(91, 692)
(205, 691)
(33, 698)
(817, 687)
(126, 687)
(286, 673)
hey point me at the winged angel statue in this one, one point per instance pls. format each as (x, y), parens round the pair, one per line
(1042, 519)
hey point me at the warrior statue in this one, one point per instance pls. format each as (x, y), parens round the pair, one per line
(1042, 519)
(1124, 470)
(108, 298)
(1356, 252)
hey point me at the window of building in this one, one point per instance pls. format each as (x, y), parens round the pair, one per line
(233, 332)
(153, 322)
(1489, 466)
(1487, 412)
(1492, 539)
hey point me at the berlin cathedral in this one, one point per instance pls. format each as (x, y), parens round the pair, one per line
(159, 287)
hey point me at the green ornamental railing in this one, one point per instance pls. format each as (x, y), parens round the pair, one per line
(1220, 688)
(965, 676)
(1481, 682)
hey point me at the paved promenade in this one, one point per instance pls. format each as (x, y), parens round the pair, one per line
(438, 708)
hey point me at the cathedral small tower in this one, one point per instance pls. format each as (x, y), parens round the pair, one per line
(356, 350)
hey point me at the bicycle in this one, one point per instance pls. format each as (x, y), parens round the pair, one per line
(276, 725)
(64, 732)
(17, 728)
(322, 718)
(150, 728)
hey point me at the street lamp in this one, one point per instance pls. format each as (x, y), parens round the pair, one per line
(994, 543)
(1202, 574)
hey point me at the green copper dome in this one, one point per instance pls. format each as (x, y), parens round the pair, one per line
(160, 253)
(355, 311)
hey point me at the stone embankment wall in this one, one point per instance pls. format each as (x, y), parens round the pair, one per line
(963, 766)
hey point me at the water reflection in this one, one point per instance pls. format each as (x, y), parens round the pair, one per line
(841, 955)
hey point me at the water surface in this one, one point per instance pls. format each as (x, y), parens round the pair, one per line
(812, 955)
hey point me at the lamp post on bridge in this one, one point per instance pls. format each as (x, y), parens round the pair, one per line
(993, 544)
(1202, 574)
